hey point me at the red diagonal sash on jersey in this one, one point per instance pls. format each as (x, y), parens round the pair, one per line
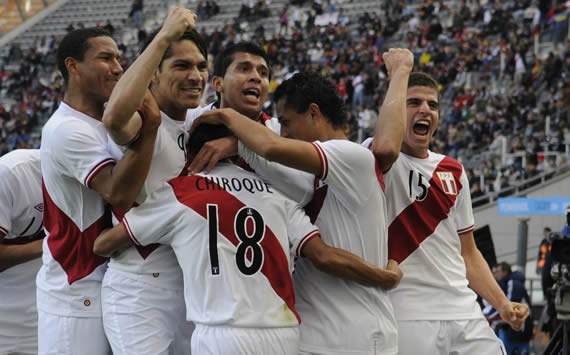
(420, 219)
(313, 208)
(69, 246)
(144, 251)
(275, 265)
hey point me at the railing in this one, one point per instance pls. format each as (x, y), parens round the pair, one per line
(519, 187)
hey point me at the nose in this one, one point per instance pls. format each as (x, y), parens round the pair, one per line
(255, 76)
(424, 107)
(116, 68)
(194, 74)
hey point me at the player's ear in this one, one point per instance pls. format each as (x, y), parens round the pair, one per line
(314, 111)
(71, 65)
(217, 82)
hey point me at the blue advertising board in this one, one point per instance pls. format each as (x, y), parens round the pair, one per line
(533, 206)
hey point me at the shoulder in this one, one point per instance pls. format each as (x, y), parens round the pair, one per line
(444, 162)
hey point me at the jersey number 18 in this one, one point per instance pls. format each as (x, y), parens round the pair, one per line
(249, 254)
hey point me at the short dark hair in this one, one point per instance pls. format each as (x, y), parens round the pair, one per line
(305, 88)
(75, 44)
(505, 267)
(190, 35)
(225, 59)
(419, 78)
(205, 133)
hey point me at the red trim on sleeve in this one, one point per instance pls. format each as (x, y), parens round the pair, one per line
(379, 174)
(97, 169)
(308, 237)
(466, 230)
(324, 162)
(125, 223)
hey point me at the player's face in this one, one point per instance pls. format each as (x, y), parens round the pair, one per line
(295, 125)
(245, 84)
(100, 69)
(182, 77)
(422, 108)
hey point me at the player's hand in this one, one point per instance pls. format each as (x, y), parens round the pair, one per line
(178, 21)
(514, 314)
(395, 274)
(211, 153)
(398, 59)
(219, 117)
(150, 113)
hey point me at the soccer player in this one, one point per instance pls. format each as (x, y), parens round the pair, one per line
(234, 236)
(343, 193)
(142, 292)
(241, 79)
(80, 176)
(431, 236)
(21, 234)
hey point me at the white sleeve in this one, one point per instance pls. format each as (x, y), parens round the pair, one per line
(295, 184)
(350, 169)
(7, 182)
(464, 219)
(80, 152)
(155, 220)
(299, 228)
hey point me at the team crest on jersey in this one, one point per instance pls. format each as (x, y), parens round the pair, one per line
(39, 207)
(447, 182)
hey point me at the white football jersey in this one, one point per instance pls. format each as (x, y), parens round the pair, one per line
(270, 122)
(74, 149)
(21, 215)
(234, 236)
(429, 206)
(156, 261)
(348, 205)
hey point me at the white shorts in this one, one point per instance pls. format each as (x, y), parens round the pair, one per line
(471, 336)
(208, 340)
(18, 315)
(143, 319)
(58, 335)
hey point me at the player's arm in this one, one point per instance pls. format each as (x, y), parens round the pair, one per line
(120, 184)
(481, 280)
(345, 265)
(120, 117)
(261, 140)
(112, 241)
(392, 119)
(12, 255)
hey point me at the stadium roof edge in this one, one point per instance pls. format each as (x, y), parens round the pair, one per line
(10, 36)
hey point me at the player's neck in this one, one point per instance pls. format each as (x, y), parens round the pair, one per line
(169, 108)
(328, 132)
(416, 152)
(84, 104)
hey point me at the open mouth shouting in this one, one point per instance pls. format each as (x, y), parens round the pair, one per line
(421, 127)
(252, 93)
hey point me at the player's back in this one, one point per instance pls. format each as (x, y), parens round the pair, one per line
(232, 234)
(21, 214)
(349, 210)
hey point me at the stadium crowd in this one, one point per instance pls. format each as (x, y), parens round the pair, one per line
(497, 92)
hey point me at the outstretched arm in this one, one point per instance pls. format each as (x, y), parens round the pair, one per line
(345, 265)
(261, 140)
(482, 281)
(392, 117)
(120, 117)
